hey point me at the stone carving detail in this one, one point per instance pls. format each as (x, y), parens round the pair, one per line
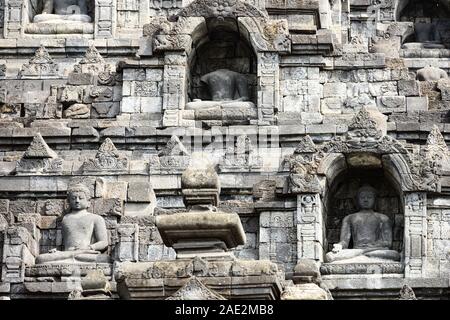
(77, 111)
(366, 136)
(40, 66)
(92, 56)
(92, 62)
(2, 70)
(265, 190)
(268, 35)
(107, 77)
(241, 156)
(174, 147)
(39, 158)
(79, 227)
(407, 293)
(195, 290)
(415, 238)
(303, 166)
(19, 251)
(128, 246)
(362, 125)
(362, 268)
(39, 149)
(426, 166)
(221, 9)
(107, 159)
(173, 157)
(95, 286)
(309, 226)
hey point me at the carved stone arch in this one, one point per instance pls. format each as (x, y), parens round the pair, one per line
(221, 9)
(395, 166)
(331, 166)
(400, 5)
(262, 33)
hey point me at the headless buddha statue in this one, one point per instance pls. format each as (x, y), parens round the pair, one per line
(227, 88)
(370, 231)
(427, 35)
(63, 11)
(79, 227)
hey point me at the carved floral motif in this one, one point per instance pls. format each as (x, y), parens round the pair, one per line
(107, 158)
(220, 9)
(41, 65)
(195, 290)
(241, 155)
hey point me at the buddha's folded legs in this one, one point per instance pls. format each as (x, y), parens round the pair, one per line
(47, 17)
(384, 254)
(86, 257)
(67, 256)
(344, 254)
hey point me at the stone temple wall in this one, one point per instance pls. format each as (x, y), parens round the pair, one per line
(342, 93)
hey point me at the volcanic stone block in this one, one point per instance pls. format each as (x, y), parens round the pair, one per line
(201, 233)
(416, 104)
(141, 192)
(408, 88)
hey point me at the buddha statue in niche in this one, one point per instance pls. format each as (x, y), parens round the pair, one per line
(427, 16)
(427, 36)
(63, 11)
(370, 232)
(79, 228)
(228, 89)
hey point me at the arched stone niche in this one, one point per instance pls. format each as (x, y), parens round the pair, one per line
(430, 17)
(182, 38)
(220, 44)
(320, 174)
(341, 201)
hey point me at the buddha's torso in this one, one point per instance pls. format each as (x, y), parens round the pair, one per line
(366, 229)
(222, 85)
(78, 230)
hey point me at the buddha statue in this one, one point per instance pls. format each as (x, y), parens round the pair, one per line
(228, 89)
(369, 231)
(79, 227)
(431, 74)
(426, 34)
(63, 11)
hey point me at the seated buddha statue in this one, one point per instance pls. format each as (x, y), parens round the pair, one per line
(370, 232)
(427, 36)
(228, 89)
(79, 227)
(63, 11)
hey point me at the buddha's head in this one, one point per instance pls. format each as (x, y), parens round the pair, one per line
(366, 197)
(79, 197)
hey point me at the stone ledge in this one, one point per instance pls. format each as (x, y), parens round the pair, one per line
(66, 270)
(362, 268)
(253, 279)
(188, 267)
(378, 282)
